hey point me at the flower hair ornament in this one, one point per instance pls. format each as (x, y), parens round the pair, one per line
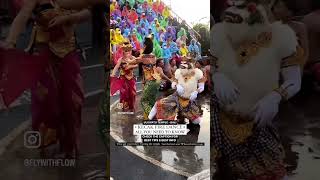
(126, 46)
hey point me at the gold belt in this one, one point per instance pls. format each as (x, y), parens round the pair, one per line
(236, 127)
(236, 117)
(183, 101)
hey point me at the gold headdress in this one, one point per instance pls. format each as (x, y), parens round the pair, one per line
(126, 46)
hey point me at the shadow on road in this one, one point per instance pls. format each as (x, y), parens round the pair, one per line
(91, 164)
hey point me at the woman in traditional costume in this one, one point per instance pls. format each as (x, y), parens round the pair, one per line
(126, 82)
(100, 26)
(57, 95)
(151, 78)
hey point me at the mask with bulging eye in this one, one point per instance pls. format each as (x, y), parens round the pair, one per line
(244, 11)
(185, 65)
(232, 18)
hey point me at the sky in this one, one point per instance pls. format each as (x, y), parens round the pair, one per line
(193, 11)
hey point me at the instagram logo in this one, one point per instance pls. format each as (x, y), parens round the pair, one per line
(119, 105)
(32, 139)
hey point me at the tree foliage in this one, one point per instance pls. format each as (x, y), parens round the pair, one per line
(203, 30)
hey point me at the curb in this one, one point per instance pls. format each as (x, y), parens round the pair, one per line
(6, 141)
(203, 175)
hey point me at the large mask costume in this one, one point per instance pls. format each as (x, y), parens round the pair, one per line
(257, 69)
(188, 84)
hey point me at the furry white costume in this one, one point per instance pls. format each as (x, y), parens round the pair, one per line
(253, 57)
(188, 83)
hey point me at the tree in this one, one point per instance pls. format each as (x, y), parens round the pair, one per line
(203, 30)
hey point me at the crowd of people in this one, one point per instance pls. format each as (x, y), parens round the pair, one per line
(134, 21)
(145, 35)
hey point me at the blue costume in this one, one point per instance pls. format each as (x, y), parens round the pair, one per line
(140, 9)
(166, 53)
(173, 48)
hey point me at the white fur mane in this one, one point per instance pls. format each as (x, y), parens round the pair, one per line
(261, 74)
(192, 84)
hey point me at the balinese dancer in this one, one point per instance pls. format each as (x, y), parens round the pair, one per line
(188, 83)
(100, 26)
(126, 82)
(151, 78)
(57, 97)
(257, 69)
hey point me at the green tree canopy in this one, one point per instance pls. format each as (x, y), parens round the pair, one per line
(203, 30)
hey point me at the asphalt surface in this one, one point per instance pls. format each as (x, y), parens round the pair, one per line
(91, 163)
(299, 126)
(126, 166)
(191, 160)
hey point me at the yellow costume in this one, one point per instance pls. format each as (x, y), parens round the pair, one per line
(112, 6)
(150, 2)
(184, 51)
(118, 38)
(166, 12)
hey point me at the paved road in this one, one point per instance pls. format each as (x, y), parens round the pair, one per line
(189, 160)
(91, 164)
(127, 166)
(299, 123)
(299, 126)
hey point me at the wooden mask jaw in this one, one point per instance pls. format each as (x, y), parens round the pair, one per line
(244, 11)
